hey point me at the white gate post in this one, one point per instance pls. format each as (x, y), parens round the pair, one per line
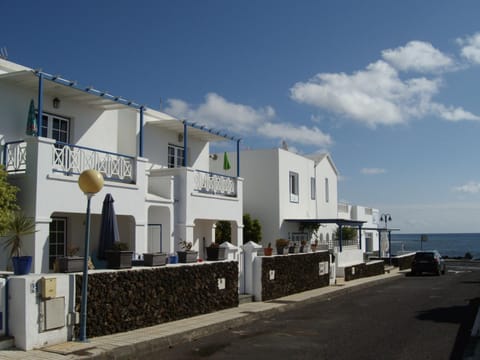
(250, 252)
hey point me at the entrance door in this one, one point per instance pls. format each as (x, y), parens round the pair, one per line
(155, 238)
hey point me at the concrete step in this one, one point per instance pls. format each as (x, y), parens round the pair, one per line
(6, 342)
(245, 298)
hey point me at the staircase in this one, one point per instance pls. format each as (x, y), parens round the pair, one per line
(6, 342)
(245, 298)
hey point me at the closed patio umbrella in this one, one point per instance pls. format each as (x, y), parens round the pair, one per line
(226, 163)
(109, 227)
(32, 127)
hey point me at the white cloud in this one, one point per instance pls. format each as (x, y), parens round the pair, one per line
(470, 47)
(471, 187)
(297, 134)
(218, 113)
(378, 95)
(453, 114)
(418, 56)
(373, 171)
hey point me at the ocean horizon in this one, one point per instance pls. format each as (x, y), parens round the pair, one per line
(448, 244)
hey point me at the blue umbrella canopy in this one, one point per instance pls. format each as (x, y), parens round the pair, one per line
(109, 227)
(32, 127)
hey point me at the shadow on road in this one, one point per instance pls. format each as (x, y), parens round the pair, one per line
(463, 315)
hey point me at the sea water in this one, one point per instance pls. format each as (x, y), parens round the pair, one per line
(451, 245)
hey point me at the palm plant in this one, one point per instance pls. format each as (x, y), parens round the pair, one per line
(18, 227)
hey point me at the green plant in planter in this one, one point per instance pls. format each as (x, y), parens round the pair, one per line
(185, 245)
(267, 251)
(186, 255)
(120, 246)
(119, 256)
(18, 227)
(281, 244)
(215, 252)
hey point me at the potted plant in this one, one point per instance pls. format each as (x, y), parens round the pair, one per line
(281, 245)
(186, 255)
(70, 263)
(293, 247)
(268, 250)
(119, 256)
(215, 252)
(303, 246)
(19, 226)
(154, 259)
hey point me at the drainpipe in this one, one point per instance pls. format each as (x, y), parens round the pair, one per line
(341, 237)
(140, 144)
(40, 103)
(7, 332)
(360, 236)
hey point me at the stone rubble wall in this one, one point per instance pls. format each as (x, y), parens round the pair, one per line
(131, 299)
(293, 274)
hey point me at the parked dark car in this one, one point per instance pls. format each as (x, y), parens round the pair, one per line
(428, 262)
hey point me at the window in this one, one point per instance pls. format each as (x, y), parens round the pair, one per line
(175, 156)
(298, 237)
(294, 187)
(313, 189)
(55, 127)
(57, 239)
(327, 191)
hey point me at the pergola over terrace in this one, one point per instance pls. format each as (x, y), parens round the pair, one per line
(340, 222)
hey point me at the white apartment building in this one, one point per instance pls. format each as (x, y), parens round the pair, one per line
(155, 166)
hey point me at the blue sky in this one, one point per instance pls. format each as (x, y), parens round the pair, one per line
(389, 88)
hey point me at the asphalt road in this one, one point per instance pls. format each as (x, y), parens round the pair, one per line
(425, 317)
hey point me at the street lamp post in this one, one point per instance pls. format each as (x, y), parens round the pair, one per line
(90, 182)
(386, 218)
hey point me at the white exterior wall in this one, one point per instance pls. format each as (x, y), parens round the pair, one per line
(266, 176)
(26, 307)
(261, 192)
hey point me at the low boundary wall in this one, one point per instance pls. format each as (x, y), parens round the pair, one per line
(364, 270)
(278, 276)
(120, 301)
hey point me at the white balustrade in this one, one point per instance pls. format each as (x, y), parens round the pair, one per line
(214, 184)
(73, 159)
(16, 156)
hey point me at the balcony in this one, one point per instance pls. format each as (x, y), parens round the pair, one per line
(195, 182)
(71, 159)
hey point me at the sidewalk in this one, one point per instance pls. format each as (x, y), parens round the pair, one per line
(140, 342)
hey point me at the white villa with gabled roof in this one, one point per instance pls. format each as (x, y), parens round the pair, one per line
(155, 166)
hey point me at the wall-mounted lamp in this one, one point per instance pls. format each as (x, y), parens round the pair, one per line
(180, 137)
(56, 103)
